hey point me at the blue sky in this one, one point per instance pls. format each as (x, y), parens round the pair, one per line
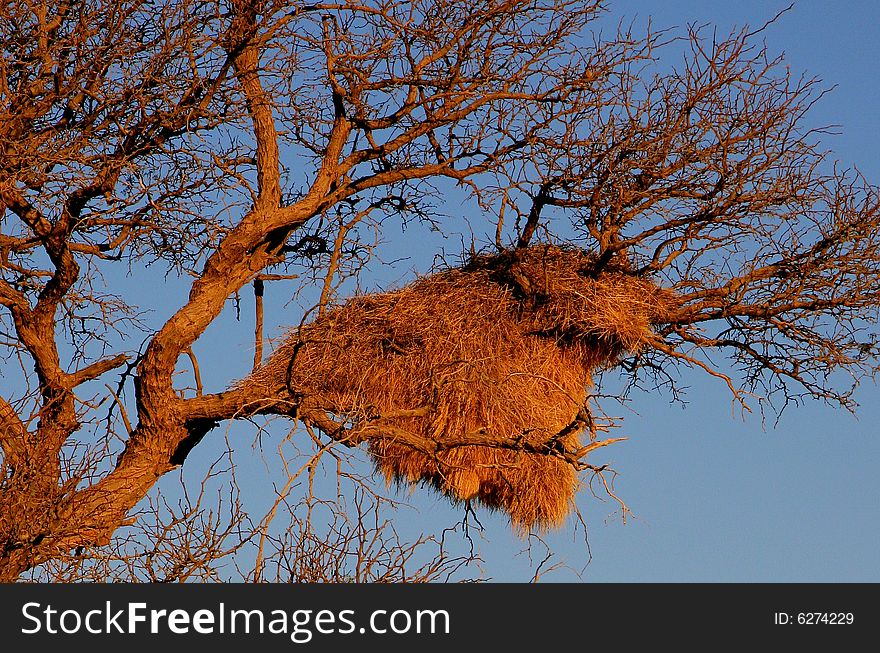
(718, 498)
(715, 497)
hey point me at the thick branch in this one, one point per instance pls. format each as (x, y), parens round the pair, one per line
(13, 435)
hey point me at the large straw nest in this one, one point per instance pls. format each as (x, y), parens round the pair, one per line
(504, 346)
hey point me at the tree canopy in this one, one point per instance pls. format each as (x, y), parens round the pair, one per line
(238, 143)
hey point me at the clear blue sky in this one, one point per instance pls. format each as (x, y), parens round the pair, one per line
(722, 499)
(715, 497)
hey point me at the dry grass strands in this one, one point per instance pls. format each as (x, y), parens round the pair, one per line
(502, 348)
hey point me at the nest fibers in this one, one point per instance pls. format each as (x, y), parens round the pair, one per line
(503, 347)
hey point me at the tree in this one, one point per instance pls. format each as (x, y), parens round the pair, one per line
(251, 141)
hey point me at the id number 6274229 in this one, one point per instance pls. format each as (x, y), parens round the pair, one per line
(814, 618)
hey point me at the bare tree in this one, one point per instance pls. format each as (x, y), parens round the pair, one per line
(247, 141)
